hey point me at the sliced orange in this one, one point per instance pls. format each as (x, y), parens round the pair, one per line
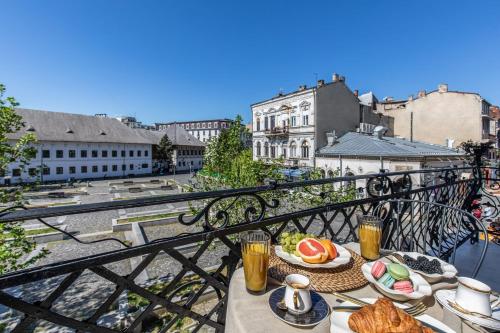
(332, 250)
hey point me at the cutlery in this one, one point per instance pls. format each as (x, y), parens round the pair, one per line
(354, 308)
(465, 311)
(414, 310)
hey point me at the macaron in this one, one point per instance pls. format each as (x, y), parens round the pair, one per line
(387, 280)
(404, 286)
(398, 272)
(378, 269)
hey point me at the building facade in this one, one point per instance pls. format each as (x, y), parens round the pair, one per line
(293, 126)
(80, 147)
(442, 117)
(203, 130)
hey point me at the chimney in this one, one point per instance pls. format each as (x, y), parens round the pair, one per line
(342, 78)
(302, 87)
(443, 87)
(331, 138)
(421, 93)
(321, 83)
(356, 92)
(335, 77)
(388, 99)
(410, 98)
(379, 131)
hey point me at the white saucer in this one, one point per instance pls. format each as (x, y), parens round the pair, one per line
(339, 320)
(443, 296)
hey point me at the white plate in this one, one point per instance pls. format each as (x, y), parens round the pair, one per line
(449, 271)
(442, 296)
(421, 288)
(339, 320)
(343, 257)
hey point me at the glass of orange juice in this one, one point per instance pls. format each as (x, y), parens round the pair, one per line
(255, 247)
(370, 236)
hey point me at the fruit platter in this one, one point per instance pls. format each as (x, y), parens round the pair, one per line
(396, 281)
(308, 251)
(431, 268)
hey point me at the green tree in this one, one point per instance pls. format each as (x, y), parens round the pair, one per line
(165, 150)
(14, 246)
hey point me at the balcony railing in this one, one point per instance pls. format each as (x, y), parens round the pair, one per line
(86, 294)
(277, 131)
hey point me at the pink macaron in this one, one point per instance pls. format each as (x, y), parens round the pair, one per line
(403, 286)
(378, 269)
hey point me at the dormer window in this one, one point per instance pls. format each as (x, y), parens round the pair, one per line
(102, 133)
(30, 129)
(69, 131)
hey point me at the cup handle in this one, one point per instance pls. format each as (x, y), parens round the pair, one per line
(296, 299)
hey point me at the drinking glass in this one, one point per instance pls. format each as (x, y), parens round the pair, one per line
(255, 247)
(370, 236)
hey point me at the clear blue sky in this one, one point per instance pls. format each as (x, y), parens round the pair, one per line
(182, 60)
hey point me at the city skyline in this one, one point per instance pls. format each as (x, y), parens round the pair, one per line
(164, 62)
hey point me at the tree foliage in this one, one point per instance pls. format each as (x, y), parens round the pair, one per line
(14, 246)
(165, 150)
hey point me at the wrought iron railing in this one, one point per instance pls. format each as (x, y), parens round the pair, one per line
(54, 295)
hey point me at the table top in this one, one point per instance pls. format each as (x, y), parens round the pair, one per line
(251, 313)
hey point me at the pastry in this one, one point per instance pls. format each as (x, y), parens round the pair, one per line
(404, 286)
(398, 272)
(378, 269)
(384, 317)
(387, 280)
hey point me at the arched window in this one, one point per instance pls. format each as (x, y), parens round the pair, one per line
(257, 124)
(266, 149)
(273, 151)
(322, 172)
(259, 150)
(330, 174)
(350, 183)
(293, 149)
(304, 149)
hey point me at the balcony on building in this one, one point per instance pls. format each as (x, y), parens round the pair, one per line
(277, 131)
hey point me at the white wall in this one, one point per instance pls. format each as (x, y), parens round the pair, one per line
(135, 165)
(188, 158)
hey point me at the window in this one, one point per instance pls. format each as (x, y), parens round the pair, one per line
(104, 168)
(305, 150)
(144, 166)
(209, 125)
(114, 167)
(83, 153)
(259, 149)
(59, 153)
(72, 153)
(95, 153)
(191, 162)
(104, 153)
(257, 124)
(204, 125)
(139, 153)
(294, 121)
(123, 153)
(266, 123)
(124, 167)
(146, 153)
(32, 172)
(305, 120)
(180, 164)
(16, 172)
(131, 167)
(83, 169)
(46, 171)
(283, 152)
(293, 149)
(273, 151)
(72, 170)
(131, 153)
(46, 153)
(95, 168)
(59, 170)
(266, 149)
(114, 153)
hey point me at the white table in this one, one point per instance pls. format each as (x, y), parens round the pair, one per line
(248, 313)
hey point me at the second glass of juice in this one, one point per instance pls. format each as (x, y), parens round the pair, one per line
(255, 247)
(370, 236)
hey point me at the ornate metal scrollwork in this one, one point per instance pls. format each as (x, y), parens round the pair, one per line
(402, 184)
(251, 213)
(448, 176)
(377, 186)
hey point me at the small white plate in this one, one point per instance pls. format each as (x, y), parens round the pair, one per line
(343, 257)
(445, 295)
(339, 320)
(421, 288)
(449, 271)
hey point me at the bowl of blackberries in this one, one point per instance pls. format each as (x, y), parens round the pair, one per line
(431, 268)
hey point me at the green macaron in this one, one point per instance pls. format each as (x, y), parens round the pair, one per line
(398, 272)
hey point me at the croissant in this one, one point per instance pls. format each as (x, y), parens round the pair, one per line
(384, 317)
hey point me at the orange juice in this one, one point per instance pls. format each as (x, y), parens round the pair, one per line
(255, 248)
(370, 237)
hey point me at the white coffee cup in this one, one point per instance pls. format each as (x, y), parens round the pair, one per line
(473, 295)
(297, 293)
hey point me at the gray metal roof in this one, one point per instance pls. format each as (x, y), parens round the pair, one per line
(67, 127)
(358, 144)
(177, 135)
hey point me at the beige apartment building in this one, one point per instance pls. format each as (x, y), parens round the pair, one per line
(441, 117)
